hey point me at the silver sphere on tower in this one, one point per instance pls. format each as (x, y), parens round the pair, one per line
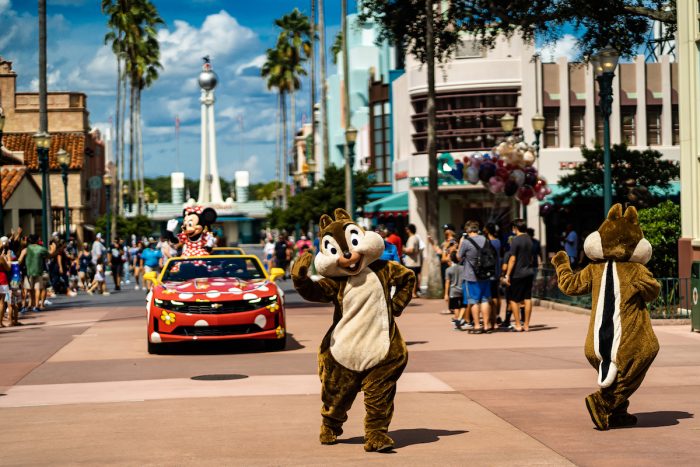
(207, 78)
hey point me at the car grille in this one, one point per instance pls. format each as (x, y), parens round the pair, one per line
(216, 308)
(217, 330)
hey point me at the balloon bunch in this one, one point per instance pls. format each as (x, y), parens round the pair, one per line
(508, 169)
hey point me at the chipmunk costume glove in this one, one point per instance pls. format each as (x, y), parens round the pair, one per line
(363, 349)
(621, 344)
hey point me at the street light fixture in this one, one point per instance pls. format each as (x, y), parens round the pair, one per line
(507, 123)
(537, 126)
(350, 139)
(107, 180)
(63, 159)
(2, 208)
(42, 140)
(604, 64)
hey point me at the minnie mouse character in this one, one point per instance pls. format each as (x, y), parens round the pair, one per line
(195, 238)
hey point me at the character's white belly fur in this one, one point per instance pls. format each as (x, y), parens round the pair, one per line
(360, 340)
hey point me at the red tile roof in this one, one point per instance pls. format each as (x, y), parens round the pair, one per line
(11, 178)
(74, 143)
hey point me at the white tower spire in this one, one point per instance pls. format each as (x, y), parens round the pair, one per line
(209, 184)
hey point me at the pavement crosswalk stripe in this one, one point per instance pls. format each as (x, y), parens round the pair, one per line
(184, 388)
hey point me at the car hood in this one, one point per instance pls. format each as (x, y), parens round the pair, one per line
(216, 288)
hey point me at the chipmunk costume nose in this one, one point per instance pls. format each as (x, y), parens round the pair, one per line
(347, 255)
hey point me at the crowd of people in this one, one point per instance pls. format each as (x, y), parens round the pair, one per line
(31, 273)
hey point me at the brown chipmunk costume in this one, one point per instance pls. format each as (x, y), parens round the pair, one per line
(621, 343)
(363, 349)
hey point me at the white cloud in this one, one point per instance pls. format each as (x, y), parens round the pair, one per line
(564, 47)
(255, 63)
(5, 5)
(52, 79)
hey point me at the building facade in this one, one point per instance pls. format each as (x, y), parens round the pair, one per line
(70, 129)
(479, 86)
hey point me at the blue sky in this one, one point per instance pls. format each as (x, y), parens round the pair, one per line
(234, 33)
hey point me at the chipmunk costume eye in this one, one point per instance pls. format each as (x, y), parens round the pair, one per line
(329, 246)
(354, 236)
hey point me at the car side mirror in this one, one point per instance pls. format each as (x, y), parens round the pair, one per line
(151, 276)
(276, 273)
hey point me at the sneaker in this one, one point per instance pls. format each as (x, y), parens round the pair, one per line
(468, 325)
(35, 310)
(106, 293)
(136, 287)
(48, 303)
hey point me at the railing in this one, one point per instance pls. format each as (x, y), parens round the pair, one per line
(674, 300)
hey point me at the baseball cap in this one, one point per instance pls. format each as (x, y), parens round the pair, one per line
(448, 227)
(99, 235)
(3, 240)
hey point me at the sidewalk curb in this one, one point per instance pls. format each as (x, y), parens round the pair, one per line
(585, 311)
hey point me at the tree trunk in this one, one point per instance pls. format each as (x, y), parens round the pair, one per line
(132, 141)
(313, 83)
(285, 153)
(139, 139)
(122, 139)
(347, 108)
(278, 154)
(291, 149)
(435, 285)
(119, 168)
(324, 88)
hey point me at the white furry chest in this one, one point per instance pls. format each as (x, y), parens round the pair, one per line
(360, 340)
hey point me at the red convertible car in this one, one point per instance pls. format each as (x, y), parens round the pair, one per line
(212, 298)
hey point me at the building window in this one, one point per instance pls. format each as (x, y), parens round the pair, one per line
(675, 127)
(465, 121)
(578, 126)
(551, 127)
(654, 125)
(599, 127)
(628, 122)
(381, 141)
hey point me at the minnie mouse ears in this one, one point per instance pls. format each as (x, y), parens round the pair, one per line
(207, 216)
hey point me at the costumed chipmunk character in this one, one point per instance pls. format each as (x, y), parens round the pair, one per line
(363, 349)
(621, 343)
(195, 237)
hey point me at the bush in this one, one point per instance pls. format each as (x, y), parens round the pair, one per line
(662, 227)
(140, 226)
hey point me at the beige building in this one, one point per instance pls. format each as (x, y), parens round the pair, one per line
(477, 87)
(21, 197)
(70, 130)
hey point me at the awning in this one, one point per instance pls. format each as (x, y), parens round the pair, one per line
(396, 204)
(673, 190)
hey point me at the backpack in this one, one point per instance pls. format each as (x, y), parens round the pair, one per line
(486, 260)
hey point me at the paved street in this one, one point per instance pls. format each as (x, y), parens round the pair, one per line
(79, 387)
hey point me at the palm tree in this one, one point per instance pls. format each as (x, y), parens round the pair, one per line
(324, 88)
(283, 70)
(134, 42)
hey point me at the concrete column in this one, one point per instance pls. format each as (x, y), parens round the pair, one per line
(641, 88)
(215, 189)
(615, 128)
(564, 106)
(589, 118)
(666, 103)
(204, 168)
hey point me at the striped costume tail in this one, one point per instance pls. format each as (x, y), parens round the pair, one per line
(608, 330)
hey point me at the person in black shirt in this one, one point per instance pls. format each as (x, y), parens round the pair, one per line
(520, 274)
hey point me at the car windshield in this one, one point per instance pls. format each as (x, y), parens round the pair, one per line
(227, 251)
(212, 267)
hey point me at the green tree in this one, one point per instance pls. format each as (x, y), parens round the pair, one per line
(263, 191)
(141, 226)
(662, 227)
(327, 195)
(622, 24)
(638, 177)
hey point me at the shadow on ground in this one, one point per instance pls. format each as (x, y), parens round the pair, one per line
(224, 347)
(410, 436)
(661, 418)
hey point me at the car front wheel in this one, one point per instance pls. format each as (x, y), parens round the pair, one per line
(153, 348)
(276, 344)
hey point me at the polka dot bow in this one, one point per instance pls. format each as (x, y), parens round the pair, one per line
(194, 210)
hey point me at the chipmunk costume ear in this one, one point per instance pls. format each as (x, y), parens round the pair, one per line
(342, 215)
(631, 215)
(615, 212)
(325, 221)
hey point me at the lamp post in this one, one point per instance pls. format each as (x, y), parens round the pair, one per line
(107, 180)
(604, 64)
(64, 160)
(43, 142)
(350, 138)
(507, 124)
(537, 126)
(2, 208)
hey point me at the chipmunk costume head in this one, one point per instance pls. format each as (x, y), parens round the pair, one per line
(621, 344)
(363, 349)
(345, 248)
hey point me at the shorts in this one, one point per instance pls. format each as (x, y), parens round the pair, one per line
(34, 283)
(495, 288)
(415, 269)
(476, 292)
(520, 288)
(117, 269)
(5, 292)
(455, 303)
